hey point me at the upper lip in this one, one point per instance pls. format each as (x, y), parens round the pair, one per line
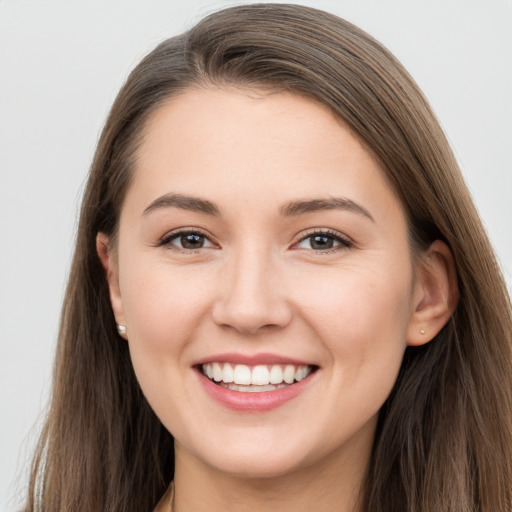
(251, 359)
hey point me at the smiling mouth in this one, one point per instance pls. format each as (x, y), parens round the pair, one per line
(255, 379)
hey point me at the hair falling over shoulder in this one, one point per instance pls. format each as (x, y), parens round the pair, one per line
(444, 438)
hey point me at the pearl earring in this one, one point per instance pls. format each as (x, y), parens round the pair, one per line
(121, 329)
(422, 331)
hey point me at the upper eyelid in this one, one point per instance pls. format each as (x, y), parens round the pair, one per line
(298, 238)
(180, 231)
(344, 241)
(323, 231)
(171, 235)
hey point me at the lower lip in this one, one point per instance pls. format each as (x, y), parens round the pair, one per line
(253, 402)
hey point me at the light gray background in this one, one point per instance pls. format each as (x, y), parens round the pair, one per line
(61, 64)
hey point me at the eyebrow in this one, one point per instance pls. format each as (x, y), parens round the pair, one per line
(194, 204)
(316, 205)
(290, 209)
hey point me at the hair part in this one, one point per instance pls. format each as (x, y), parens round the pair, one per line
(444, 438)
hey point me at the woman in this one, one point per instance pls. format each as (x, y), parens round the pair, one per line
(281, 294)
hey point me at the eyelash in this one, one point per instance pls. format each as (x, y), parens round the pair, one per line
(168, 238)
(344, 243)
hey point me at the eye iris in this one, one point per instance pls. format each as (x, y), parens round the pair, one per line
(321, 242)
(192, 241)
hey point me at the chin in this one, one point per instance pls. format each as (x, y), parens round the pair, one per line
(258, 460)
(261, 467)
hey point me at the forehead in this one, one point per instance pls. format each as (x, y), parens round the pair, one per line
(240, 143)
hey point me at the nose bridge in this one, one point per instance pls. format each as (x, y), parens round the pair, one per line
(250, 296)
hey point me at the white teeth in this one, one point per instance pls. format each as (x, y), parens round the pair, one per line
(276, 374)
(301, 373)
(242, 374)
(217, 372)
(259, 378)
(227, 373)
(289, 374)
(250, 389)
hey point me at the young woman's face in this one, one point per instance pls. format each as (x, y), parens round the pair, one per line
(259, 242)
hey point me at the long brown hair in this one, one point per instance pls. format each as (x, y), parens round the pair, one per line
(444, 437)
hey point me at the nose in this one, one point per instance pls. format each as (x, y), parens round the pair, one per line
(251, 296)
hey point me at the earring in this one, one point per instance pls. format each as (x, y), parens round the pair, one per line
(121, 329)
(422, 331)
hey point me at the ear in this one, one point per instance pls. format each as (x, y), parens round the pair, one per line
(435, 294)
(109, 262)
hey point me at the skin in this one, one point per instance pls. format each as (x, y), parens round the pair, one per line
(258, 285)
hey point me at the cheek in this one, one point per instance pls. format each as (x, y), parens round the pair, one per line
(362, 317)
(362, 322)
(163, 307)
(154, 294)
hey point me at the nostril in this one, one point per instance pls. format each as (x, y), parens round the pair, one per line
(251, 318)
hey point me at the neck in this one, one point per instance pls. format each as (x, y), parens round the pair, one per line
(332, 484)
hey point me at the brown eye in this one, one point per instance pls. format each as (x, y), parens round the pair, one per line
(187, 240)
(323, 242)
(191, 241)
